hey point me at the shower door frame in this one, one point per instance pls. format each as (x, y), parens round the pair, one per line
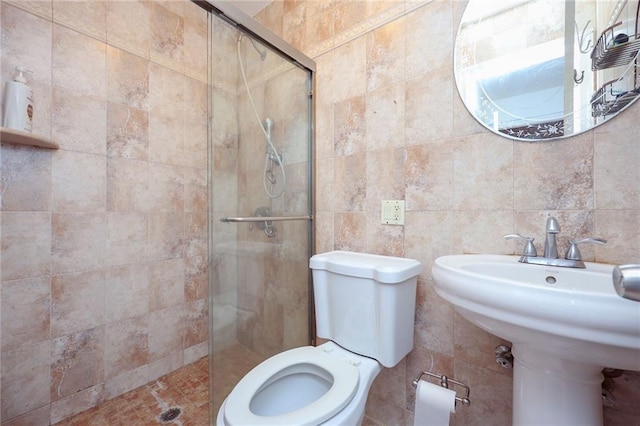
(247, 25)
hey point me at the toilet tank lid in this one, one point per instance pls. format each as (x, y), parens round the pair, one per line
(384, 269)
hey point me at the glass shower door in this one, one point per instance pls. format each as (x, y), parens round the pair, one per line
(260, 204)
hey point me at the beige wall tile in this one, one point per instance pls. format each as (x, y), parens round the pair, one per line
(26, 179)
(127, 239)
(348, 13)
(429, 95)
(616, 157)
(482, 231)
(488, 407)
(165, 365)
(195, 41)
(78, 182)
(127, 185)
(195, 233)
(126, 346)
(126, 382)
(620, 229)
(166, 280)
(43, 9)
(568, 187)
(350, 126)
(26, 245)
(483, 174)
(77, 302)
(166, 185)
(37, 417)
(385, 117)
(127, 292)
(294, 26)
(350, 231)
(195, 190)
(76, 403)
(78, 63)
(319, 26)
(167, 35)
(166, 328)
(127, 78)
(25, 309)
(196, 352)
(89, 18)
(78, 241)
(350, 177)
(350, 64)
(195, 278)
(76, 362)
(429, 178)
(434, 327)
(428, 235)
(25, 379)
(386, 55)
(429, 38)
(129, 26)
(196, 328)
(79, 121)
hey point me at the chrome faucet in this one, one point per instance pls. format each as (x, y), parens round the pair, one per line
(573, 257)
(550, 245)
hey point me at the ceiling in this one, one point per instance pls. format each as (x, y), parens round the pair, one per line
(250, 7)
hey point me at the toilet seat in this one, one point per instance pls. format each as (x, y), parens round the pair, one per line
(307, 359)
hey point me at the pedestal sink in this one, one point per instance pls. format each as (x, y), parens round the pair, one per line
(565, 326)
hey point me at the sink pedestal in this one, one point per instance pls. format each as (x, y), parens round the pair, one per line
(548, 390)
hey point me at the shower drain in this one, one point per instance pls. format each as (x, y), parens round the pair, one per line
(170, 414)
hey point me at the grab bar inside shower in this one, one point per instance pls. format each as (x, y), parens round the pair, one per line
(265, 218)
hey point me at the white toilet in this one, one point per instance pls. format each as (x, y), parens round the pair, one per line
(365, 305)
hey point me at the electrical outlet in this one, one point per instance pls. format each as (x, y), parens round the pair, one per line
(392, 212)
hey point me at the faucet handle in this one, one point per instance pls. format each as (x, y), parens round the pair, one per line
(529, 248)
(573, 253)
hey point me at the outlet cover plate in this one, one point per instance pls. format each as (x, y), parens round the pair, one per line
(392, 212)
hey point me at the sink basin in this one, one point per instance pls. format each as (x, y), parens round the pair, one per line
(565, 325)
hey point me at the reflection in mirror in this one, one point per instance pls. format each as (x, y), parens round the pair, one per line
(545, 69)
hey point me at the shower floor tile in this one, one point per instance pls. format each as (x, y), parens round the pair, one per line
(186, 388)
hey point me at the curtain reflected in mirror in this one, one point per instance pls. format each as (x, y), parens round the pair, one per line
(546, 69)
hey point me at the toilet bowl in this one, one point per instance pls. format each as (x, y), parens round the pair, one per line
(364, 306)
(324, 385)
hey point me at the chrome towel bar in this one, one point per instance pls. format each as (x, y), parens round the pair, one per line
(265, 218)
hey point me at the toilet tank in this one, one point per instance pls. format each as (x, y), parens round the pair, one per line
(366, 303)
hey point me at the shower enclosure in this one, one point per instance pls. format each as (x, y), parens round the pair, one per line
(260, 196)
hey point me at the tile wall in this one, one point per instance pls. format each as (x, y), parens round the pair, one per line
(390, 125)
(103, 242)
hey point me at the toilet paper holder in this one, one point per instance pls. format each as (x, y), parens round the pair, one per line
(444, 382)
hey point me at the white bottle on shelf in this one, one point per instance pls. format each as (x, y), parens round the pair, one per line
(18, 103)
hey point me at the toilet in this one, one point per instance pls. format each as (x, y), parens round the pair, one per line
(365, 307)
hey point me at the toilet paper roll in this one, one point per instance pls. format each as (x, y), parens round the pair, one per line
(434, 405)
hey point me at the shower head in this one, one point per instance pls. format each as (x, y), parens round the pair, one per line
(262, 53)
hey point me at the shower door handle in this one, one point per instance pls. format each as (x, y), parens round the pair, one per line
(265, 218)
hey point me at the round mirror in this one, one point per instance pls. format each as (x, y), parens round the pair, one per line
(546, 69)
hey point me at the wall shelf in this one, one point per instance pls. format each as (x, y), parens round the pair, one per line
(606, 54)
(25, 138)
